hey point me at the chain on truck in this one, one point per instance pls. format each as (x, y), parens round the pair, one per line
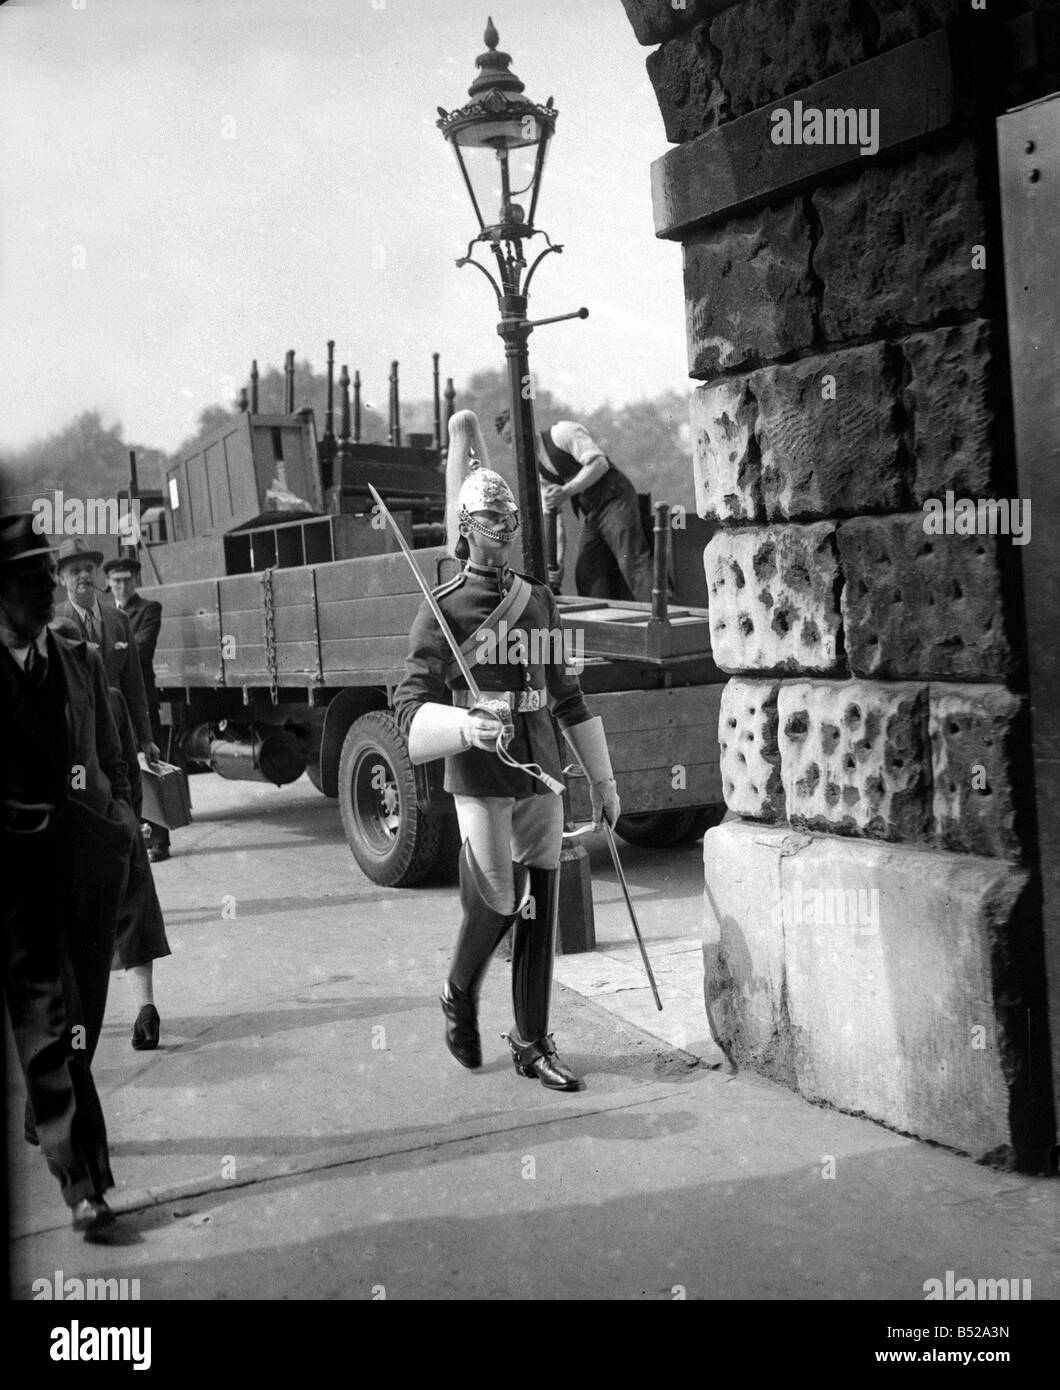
(286, 613)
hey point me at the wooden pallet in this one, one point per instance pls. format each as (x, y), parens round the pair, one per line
(628, 632)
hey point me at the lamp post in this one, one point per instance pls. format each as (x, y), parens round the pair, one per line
(500, 139)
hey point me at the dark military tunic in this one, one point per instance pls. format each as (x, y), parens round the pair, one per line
(466, 602)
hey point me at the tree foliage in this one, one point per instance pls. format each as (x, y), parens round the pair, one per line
(83, 459)
(648, 439)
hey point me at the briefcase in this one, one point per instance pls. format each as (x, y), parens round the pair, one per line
(167, 799)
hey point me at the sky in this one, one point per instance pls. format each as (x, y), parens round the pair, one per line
(188, 184)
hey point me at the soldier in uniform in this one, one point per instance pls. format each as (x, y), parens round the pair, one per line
(511, 824)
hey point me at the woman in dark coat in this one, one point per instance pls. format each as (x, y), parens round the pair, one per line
(141, 938)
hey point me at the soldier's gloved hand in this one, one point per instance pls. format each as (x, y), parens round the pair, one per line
(490, 727)
(605, 802)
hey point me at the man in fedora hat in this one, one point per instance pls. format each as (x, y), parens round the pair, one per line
(66, 829)
(109, 631)
(145, 619)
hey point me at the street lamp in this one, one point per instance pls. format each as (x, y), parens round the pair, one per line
(500, 139)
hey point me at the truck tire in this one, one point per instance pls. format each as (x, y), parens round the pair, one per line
(394, 842)
(658, 829)
(447, 856)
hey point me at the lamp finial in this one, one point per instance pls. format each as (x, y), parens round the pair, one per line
(495, 74)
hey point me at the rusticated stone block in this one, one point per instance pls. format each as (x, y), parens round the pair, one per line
(901, 21)
(947, 397)
(772, 598)
(855, 758)
(976, 733)
(896, 245)
(829, 434)
(684, 73)
(655, 21)
(748, 292)
(916, 605)
(769, 48)
(866, 975)
(750, 759)
(725, 451)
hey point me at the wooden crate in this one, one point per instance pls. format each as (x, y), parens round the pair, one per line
(253, 468)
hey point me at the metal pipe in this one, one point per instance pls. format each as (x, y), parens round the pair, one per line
(357, 407)
(437, 408)
(329, 413)
(552, 549)
(326, 449)
(254, 387)
(288, 383)
(344, 407)
(514, 332)
(660, 583)
(134, 481)
(395, 407)
(450, 406)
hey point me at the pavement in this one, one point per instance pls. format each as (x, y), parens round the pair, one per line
(302, 1132)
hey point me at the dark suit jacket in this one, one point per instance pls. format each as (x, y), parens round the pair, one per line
(97, 790)
(145, 619)
(121, 663)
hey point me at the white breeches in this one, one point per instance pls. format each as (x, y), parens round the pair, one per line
(502, 831)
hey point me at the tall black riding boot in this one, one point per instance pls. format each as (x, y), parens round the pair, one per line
(533, 947)
(480, 930)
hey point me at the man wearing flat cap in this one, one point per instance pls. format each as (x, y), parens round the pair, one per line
(66, 830)
(145, 619)
(613, 558)
(108, 631)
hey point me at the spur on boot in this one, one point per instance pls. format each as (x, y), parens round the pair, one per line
(540, 1060)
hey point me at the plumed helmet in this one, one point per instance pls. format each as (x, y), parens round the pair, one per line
(483, 490)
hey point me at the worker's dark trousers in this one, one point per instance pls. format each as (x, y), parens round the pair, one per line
(59, 946)
(613, 559)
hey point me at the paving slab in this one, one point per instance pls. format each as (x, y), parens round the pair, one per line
(303, 1133)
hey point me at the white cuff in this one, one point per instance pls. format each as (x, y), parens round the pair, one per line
(437, 731)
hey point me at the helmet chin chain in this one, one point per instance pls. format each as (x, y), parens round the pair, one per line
(496, 534)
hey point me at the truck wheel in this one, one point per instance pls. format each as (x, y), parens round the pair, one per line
(446, 863)
(657, 829)
(393, 841)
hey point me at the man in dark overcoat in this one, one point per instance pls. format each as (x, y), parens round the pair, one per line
(66, 829)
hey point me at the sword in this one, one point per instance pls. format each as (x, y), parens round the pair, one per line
(620, 874)
(454, 647)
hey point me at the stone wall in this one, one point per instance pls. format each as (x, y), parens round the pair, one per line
(872, 935)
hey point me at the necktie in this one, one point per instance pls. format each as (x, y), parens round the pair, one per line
(91, 630)
(36, 666)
